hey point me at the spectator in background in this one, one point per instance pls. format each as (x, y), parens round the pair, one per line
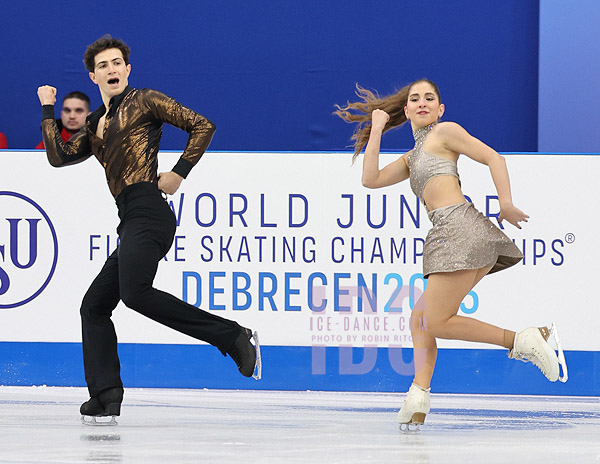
(75, 108)
(3, 142)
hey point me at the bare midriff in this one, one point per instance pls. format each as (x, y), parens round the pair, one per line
(442, 191)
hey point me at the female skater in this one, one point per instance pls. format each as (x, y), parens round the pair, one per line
(462, 246)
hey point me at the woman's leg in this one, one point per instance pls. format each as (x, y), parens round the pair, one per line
(435, 316)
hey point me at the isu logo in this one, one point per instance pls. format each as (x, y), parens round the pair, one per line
(28, 250)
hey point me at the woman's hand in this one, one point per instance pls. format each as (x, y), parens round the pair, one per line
(512, 214)
(379, 119)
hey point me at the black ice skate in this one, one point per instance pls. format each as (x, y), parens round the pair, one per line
(102, 409)
(246, 355)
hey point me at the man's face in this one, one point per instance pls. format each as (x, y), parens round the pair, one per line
(110, 72)
(74, 112)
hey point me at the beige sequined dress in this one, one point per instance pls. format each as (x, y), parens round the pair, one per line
(461, 237)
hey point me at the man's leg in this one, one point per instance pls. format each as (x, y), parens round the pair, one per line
(100, 358)
(145, 239)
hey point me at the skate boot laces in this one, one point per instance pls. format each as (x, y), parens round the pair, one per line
(528, 345)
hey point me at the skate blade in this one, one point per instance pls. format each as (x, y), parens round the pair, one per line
(414, 426)
(410, 428)
(99, 421)
(258, 364)
(561, 355)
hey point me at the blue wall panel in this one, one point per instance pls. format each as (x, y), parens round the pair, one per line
(568, 88)
(290, 368)
(268, 73)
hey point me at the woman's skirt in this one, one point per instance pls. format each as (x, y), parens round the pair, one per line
(462, 238)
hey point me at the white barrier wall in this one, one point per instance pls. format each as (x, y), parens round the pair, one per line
(284, 243)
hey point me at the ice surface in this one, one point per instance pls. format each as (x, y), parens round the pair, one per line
(42, 425)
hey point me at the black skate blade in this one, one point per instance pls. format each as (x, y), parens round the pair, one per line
(99, 421)
(258, 364)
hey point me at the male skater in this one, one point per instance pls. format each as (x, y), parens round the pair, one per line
(124, 135)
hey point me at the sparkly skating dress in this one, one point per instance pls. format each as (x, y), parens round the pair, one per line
(461, 237)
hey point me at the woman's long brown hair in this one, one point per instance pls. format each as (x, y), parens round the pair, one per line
(360, 112)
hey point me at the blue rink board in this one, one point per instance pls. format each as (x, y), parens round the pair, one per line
(290, 368)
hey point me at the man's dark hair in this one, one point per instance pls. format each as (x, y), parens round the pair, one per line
(79, 95)
(104, 43)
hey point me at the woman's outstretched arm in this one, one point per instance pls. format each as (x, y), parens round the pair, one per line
(459, 140)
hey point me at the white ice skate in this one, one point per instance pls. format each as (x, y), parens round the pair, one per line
(414, 409)
(531, 345)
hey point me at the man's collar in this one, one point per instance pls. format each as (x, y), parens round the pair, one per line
(93, 118)
(115, 101)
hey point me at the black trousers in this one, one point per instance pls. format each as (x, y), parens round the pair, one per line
(146, 233)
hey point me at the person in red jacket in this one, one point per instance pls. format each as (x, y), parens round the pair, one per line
(3, 142)
(75, 108)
